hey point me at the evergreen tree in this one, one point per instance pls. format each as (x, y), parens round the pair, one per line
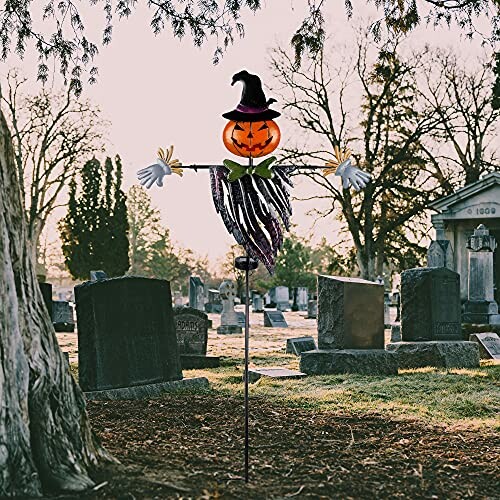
(94, 231)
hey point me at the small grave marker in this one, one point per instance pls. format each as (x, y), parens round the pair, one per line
(489, 344)
(62, 316)
(274, 319)
(299, 345)
(255, 374)
(191, 329)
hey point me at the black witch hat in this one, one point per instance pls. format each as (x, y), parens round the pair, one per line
(253, 106)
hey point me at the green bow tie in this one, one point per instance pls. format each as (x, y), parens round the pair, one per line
(237, 171)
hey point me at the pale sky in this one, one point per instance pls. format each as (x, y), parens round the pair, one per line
(158, 91)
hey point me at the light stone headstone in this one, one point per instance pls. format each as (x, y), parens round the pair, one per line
(257, 303)
(280, 295)
(481, 306)
(229, 318)
(430, 304)
(302, 298)
(440, 254)
(489, 344)
(178, 298)
(350, 313)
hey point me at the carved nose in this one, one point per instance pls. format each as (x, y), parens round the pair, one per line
(250, 135)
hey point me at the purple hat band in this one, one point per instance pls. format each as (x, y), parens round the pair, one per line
(249, 109)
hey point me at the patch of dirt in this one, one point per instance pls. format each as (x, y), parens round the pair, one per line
(191, 446)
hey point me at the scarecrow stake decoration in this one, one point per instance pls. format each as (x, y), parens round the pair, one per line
(253, 200)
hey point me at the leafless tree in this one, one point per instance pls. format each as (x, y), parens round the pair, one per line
(468, 124)
(53, 134)
(384, 221)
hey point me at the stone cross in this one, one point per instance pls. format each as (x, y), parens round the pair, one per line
(229, 318)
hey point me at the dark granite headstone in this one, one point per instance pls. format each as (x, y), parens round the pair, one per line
(430, 304)
(299, 345)
(350, 313)
(196, 293)
(46, 289)
(126, 333)
(312, 309)
(489, 344)
(62, 316)
(191, 328)
(274, 319)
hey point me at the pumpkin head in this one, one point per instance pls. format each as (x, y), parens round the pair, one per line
(251, 139)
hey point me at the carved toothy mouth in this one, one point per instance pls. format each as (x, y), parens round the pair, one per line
(259, 146)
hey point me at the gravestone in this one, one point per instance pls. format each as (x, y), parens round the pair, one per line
(440, 254)
(274, 319)
(489, 344)
(127, 346)
(257, 303)
(277, 372)
(350, 330)
(191, 329)
(280, 296)
(178, 298)
(98, 276)
(62, 316)
(436, 353)
(302, 298)
(229, 320)
(312, 309)
(241, 318)
(387, 315)
(396, 332)
(481, 306)
(431, 329)
(299, 345)
(214, 304)
(196, 293)
(350, 313)
(46, 289)
(430, 304)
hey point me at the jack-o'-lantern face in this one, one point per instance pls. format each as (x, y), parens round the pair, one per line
(251, 139)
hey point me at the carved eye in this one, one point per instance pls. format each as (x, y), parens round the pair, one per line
(238, 127)
(264, 126)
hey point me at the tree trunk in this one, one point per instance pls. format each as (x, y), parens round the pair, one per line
(45, 436)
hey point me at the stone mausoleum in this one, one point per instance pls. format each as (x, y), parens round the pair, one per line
(458, 215)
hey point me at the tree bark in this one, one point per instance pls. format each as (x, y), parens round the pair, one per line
(46, 442)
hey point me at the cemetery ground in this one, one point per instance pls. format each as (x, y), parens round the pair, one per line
(425, 433)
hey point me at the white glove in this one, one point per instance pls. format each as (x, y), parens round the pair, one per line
(154, 173)
(352, 176)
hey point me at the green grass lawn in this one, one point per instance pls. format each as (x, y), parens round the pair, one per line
(455, 397)
(458, 397)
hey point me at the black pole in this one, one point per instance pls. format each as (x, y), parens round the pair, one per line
(247, 350)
